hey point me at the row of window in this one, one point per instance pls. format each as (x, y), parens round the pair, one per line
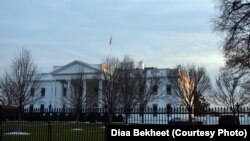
(155, 109)
(80, 91)
(155, 90)
(42, 108)
(32, 92)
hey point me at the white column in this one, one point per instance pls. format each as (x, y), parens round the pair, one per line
(68, 91)
(54, 102)
(60, 94)
(100, 96)
(52, 94)
(85, 92)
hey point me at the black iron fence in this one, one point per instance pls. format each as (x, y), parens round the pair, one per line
(55, 124)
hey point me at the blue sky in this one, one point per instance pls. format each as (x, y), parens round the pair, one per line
(164, 33)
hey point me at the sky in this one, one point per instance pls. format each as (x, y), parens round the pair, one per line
(162, 33)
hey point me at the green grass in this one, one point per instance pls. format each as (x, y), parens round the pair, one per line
(61, 131)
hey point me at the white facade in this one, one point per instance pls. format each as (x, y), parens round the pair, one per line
(53, 85)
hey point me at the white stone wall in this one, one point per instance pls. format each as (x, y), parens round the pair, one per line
(54, 91)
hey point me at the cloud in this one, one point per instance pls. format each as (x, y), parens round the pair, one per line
(163, 33)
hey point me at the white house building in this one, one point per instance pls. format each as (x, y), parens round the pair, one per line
(54, 86)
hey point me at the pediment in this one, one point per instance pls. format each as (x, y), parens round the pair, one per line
(75, 67)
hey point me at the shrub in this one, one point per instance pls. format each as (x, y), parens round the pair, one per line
(229, 120)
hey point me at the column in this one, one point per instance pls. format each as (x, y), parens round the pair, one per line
(100, 96)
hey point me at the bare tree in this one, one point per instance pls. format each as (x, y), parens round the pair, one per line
(76, 98)
(2, 99)
(110, 96)
(92, 89)
(232, 21)
(246, 84)
(148, 83)
(189, 82)
(22, 78)
(229, 91)
(128, 85)
(6, 97)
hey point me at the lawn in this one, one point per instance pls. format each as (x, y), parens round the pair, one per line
(61, 131)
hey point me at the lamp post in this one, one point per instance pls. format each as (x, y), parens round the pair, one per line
(169, 110)
(1, 127)
(49, 124)
(106, 119)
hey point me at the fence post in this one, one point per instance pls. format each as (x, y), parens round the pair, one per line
(49, 125)
(238, 112)
(106, 115)
(1, 127)
(169, 111)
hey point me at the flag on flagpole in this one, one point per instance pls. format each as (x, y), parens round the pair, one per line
(110, 40)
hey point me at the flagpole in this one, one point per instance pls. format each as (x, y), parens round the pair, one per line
(110, 43)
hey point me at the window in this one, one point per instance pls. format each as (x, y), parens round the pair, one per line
(42, 108)
(169, 90)
(141, 109)
(169, 108)
(64, 91)
(81, 91)
(31, 108)
(155, 108)
(32, 92)
(43, 92)
(64, 108)
(155, 89)
(96, 89)
(154, 71)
